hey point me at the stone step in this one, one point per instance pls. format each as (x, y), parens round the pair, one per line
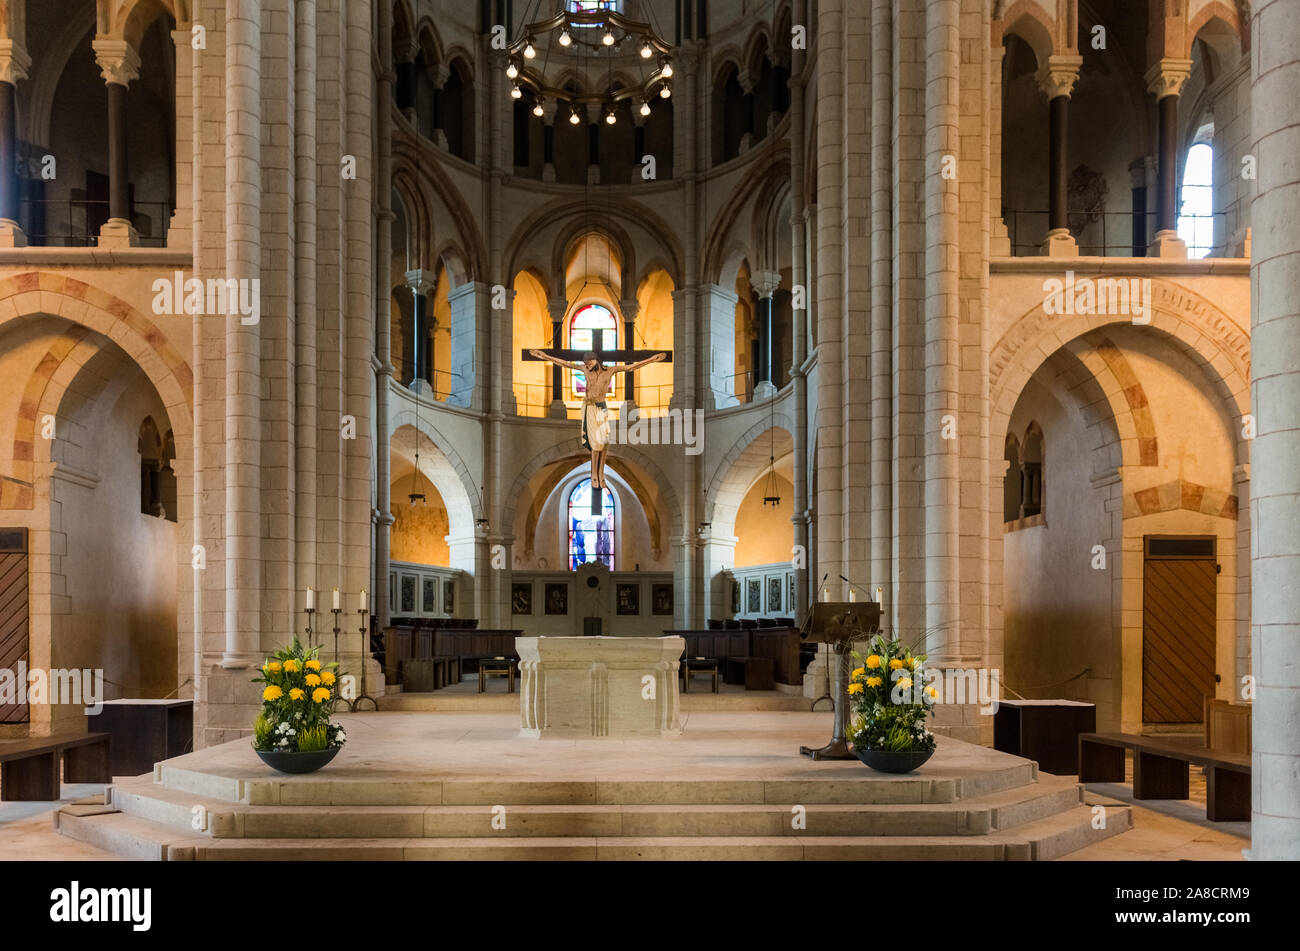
(1040, 840)
(856, 786)
(192, 814)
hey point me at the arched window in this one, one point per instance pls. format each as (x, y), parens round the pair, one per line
(1196, 203)
(1012, 481)
(1031, 491)
(591, 537)
(593, 6)
(591, 327)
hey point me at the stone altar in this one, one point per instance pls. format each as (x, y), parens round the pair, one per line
(582, 687)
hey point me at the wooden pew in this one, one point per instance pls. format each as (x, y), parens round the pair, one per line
(1160, 771)
(32, 768)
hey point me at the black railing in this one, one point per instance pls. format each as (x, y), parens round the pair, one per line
(75, 222)
(1104, 234)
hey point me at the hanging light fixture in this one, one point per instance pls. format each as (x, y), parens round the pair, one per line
(771, 489)
(605, 42)
(538, 110)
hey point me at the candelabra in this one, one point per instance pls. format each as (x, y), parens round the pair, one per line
(309, 611)
(365, 654)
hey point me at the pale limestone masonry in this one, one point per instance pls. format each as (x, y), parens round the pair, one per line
(890, 195)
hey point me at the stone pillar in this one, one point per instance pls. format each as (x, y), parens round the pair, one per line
(384, 217)
(438, 75)
(243, 254)
(594, 119)
(421, 284)
(558, 307)
(765, 284)
(1164, 81)
(999, 236)
(14, 63)
(942, 301)
(549, 110)
(881, 363)
(1137, 171)
(1275, 452)
(720, 355)
(799, 320)
(748, 80)
(1056, 79)
(630, 309)
(463, 303)
(119, 64)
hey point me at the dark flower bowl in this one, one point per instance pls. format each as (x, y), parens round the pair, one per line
(887, 761)
(285, 761)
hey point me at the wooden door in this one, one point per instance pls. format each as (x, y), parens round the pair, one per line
(13, 614)
(1179, 588)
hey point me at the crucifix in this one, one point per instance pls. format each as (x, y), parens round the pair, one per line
(599, 379)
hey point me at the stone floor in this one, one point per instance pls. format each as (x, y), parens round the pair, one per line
(485, 748)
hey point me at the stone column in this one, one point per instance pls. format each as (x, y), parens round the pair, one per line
(384, 217)
(1137, 171)
(421, 283)
(243, 255)
(748, 80)
(558, 307)
(438, 75)
(999, 236)
(630, 309)
(882, 397)
(119, 64)
(1275, 452)
(720, 355)
(765, 284)
(1056, 79)
(799, 321)
(463, 304)
(14, 63)
(549, 109)
(1164, 81)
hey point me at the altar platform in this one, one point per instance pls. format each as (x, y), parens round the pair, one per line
(418, 786)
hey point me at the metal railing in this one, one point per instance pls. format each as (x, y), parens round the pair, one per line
(443, 385)
(534, 399)
(1107, 234)
(75, 222)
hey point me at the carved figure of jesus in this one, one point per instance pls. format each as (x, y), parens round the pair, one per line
(595, 413)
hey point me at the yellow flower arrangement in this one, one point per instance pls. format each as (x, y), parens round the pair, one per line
(295, 715)
(874, 661)
(328, 677)
(875, 681)
(312, 680)
(296, 693)
(271, 667)
(312, 665)
(895, 664)
(290, 666)
(855, 688)
(272, 692)
(320, 695)
(857, 674)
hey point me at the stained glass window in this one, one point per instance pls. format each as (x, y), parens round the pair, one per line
(593, 6)
(591, 327)
(591, 537)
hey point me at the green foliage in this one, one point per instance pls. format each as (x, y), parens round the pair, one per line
(296, 702)
(890, 698)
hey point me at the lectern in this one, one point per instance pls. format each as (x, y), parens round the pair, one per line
(839, 624)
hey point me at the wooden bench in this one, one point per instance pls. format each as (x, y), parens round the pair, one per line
(30, 768)
(754, 672)
(1160, 771)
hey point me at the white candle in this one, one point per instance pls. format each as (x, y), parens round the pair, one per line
(336, 599)
(311, 598)
(853, 596)
(826, 594)
(363, 599)
(879, 592)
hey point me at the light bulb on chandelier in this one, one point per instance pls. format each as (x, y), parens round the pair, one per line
(610, 117)
(608, 38)
(512, 71)
(537, 109)
(667, 70)
(645, 108)
(566, 38)
(666, 92)
(516, 92)
(646, 49)
(573, 116)
(530, 51)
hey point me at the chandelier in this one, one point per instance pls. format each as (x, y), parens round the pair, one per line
(600, 40)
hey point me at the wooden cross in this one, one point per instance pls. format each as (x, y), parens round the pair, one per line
(604, 356)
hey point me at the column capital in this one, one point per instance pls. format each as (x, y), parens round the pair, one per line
(1166, 77)
(14, 61)
(748, 79)
(421, 281)
(438, 74)
(630, 309)
(1058, 75)
(558, 307)
(117, 60)
(765, 283)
